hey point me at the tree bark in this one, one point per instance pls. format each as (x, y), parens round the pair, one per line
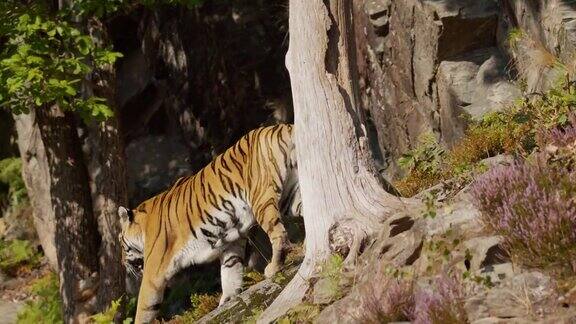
(104, 155)
(341, 192)
(36, 175)
(77, 241)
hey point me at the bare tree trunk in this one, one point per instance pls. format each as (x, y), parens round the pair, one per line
(36, 174)
(341, 193)
(107, 171)
(77, 240)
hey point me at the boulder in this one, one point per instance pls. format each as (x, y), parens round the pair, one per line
(470, 87)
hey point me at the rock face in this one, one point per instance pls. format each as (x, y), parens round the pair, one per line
(551, 22)
(154, 163)
(431, 66)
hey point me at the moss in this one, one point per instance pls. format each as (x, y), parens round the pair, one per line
(302, 313)
(254, 315)
(202, 304)
(252, 278)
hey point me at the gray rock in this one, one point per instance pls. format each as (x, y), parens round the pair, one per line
(376, 8)
(9, 311)
(471, 87)
(457, 215)
(494, 90)
(497, 272)
(525, 295)
(455, 91)
(496, 320)
(484, 251)
(553, 23)
(476, 308)
(498, 160)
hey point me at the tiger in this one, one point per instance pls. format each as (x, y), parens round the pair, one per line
(207, 216)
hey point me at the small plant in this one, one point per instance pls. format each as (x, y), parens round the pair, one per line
(16, 254)
(430, 203)
(46, 308)
(533, 207)
(111, 313)
(425, 157)
(442, 304)
(202, 304)
(332, 272)
(515, 36)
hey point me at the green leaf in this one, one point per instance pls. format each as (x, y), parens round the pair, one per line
(84, 44)
(70, 90)
(24, 19)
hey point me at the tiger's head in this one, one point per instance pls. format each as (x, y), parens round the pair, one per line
(132, 240)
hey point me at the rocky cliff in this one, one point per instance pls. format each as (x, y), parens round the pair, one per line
(431, 66)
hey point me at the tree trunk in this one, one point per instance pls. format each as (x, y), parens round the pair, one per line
(341, 192)
(104, 155)
(36, 174)
(77, 241)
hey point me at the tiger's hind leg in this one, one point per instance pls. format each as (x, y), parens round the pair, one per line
(269, 219)
(232, 270)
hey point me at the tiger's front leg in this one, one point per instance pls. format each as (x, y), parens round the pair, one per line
(232, 270)
(150, 295)
(269, 219)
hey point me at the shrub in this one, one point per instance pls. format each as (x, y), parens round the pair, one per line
(422, 164)
(46, 307)
(533, 207)
(388, 300)
(559, 137)
(442, 304)
(17, 254)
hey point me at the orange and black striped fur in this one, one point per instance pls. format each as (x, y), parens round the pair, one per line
(206, 216)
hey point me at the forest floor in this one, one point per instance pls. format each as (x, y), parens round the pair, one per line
(15, 290)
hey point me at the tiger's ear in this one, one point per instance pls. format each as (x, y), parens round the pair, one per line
(126, 216)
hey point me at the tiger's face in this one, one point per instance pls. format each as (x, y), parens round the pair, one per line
(132, 241)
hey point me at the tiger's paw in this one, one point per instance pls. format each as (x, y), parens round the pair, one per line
(270, 270)
(224, 300)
